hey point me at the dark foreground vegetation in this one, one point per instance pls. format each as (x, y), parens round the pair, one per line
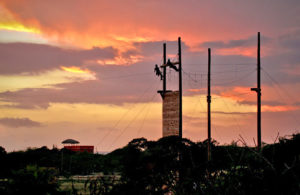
(169, 165)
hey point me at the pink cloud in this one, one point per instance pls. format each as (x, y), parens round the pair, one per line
(26, 57)
(19, 122)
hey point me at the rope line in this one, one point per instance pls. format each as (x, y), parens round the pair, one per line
(125, 114)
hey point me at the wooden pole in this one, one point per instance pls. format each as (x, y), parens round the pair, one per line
(258, 95)
(208, 109)
(258, 91)
(164, 71)
(180, 87)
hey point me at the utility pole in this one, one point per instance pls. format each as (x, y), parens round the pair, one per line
(208, 109)
(180, 87)
(258, 91)
(165, 70)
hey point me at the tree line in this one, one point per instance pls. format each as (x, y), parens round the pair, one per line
(169, 165)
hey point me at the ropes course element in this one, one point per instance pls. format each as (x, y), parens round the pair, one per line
(243, 77)
(277, 89)
(144, 119)
(134, 118)
(126, 113)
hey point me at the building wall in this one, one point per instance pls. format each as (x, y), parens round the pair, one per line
(89, 149)
(171, 114)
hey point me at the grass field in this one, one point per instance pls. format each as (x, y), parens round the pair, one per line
(80, 183)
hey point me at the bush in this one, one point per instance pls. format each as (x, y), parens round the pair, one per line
(33, 180)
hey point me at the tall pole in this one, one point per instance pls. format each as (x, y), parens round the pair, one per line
(258, 95)
(258, 91)
(180, 87)
(164, 71)
(208, 109)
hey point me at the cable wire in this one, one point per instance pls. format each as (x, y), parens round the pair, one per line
(277, 85)
(125, 114)
(123, 131)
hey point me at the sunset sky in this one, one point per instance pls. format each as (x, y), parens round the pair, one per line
(84, 69)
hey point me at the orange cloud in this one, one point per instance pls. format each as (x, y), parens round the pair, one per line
(8, 22)
(268, 108)
(75, 69)
(119, 24)
(250, 52)
(238, 93)
(194, 90)
(14, 26)
(120, 60)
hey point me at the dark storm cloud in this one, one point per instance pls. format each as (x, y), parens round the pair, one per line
(33, 58)
(19, 122)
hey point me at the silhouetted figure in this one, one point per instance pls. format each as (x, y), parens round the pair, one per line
(158, 72)
(169, 63)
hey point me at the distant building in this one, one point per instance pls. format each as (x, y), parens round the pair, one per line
(71, 144)
(89, 149)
